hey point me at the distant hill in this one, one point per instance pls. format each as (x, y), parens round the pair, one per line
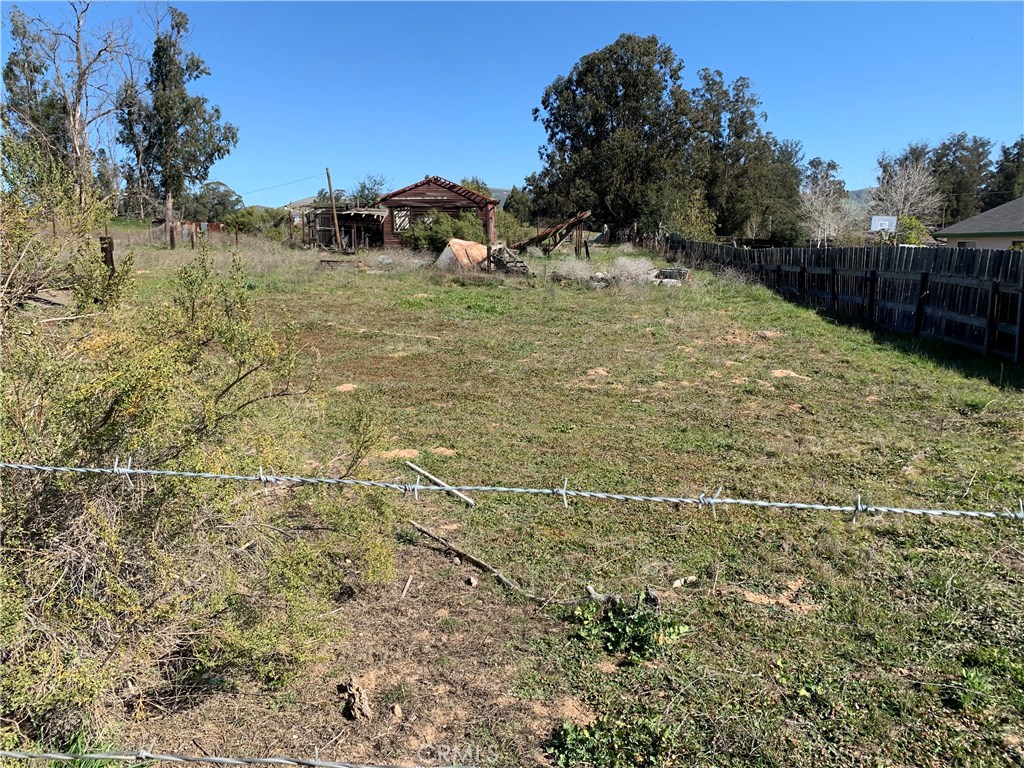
(862, 196)
(500, 194)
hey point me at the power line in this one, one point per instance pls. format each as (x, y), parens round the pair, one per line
(287, 183)
(563, 492)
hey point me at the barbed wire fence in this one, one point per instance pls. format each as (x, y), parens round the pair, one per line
(144, 756)
(562, 492)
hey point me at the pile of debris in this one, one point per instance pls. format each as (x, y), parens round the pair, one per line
(469, 255)
(599, 280)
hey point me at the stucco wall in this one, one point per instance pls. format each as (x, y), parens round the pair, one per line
(992, 243)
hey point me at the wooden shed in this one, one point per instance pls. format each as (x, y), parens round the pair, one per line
(359, 227)
(434, 194)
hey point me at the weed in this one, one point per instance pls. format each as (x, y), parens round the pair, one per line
(618, 741)
(639, 632)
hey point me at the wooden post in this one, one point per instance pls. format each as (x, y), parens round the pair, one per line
(872, 287)
(192, 236)
(803, 278)
(236, 235)
(107, 249)
(1018, 355)
(586, 247)
(106, 230)
(922, 301)
(992, 317)
(334, 213)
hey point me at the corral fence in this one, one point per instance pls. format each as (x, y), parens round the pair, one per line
(970, 297)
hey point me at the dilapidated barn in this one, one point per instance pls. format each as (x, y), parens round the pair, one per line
(358, 227)
(415, 201)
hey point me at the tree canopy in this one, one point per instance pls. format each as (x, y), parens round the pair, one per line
(626, 140)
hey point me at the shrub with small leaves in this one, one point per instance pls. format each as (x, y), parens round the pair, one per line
(638, 632)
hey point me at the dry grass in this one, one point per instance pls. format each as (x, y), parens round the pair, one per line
(911, 655)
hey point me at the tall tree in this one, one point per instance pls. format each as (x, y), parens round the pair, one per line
(520, 205)
(961, 166)
(184, 135)
(822, 197)
(906, 187)
(61, 80)
(614, 130)
(370, 188)
(213, 201)
(1007, 180)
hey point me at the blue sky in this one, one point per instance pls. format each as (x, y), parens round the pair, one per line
(410, 89)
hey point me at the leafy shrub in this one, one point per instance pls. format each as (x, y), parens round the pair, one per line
(618, 741)
(509, 228)
(432, 232)
(639, 633)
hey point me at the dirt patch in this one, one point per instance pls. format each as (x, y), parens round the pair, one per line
(346, 388)
(400, 453)
(440, 451)
(769, 334)
(595, 373)
(784, 600)
(782, 373)
(445, 655)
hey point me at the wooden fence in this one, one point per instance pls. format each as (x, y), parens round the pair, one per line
(973, 298)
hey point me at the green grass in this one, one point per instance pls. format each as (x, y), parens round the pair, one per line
(909, 652)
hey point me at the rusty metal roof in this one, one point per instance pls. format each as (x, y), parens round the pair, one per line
(476, 197)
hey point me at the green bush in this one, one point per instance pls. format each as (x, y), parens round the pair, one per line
(432, 232)
(625, 740)
(639, 633)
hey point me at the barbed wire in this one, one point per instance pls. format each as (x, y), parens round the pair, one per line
(563, 492)
(144, 755)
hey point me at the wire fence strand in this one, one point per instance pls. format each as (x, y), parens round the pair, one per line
(143, 756)
(563, 491)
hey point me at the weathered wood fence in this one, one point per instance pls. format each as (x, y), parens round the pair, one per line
(973, 298)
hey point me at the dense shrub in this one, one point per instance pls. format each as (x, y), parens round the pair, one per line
(432, 232)
(119, 593)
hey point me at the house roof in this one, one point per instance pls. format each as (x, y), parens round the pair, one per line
(476, 197)
(1006, 219)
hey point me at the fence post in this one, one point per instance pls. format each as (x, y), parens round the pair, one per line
(834, 285)
(919, 308)
(803, 278)
(1018, 356)
(992, 318)
(872, 289)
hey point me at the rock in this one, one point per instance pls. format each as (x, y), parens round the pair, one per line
(457, 560)
(396, 711)
(385, 261)
(355, 701)
(471, 581)
(669, 282)
(683, 582)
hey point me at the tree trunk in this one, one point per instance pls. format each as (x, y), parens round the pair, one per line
(169, 216)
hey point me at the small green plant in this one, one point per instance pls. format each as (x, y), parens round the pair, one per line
(407, 535)
(639, 633)
(617, 741)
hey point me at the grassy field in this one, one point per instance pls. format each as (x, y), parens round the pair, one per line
(789, 638)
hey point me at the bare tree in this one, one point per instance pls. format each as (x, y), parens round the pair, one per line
(62, 80)
(821, 201)
(906, 187)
